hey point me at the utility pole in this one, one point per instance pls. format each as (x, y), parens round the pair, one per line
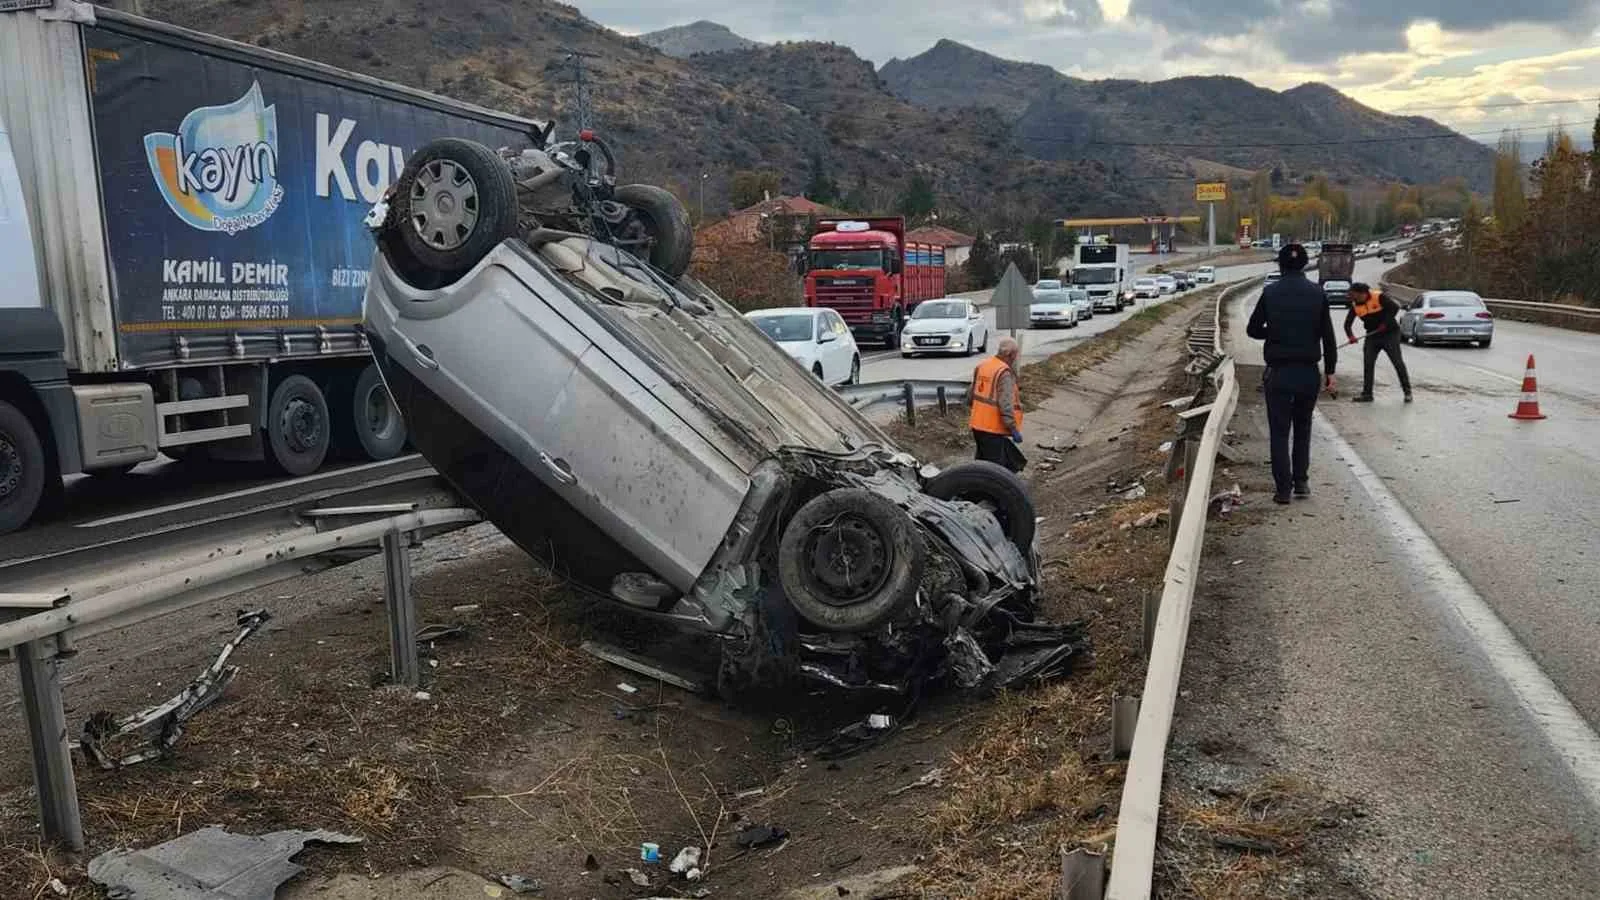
(703, 177)
(580, 81)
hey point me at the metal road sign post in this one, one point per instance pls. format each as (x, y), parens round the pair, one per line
(1012, 301)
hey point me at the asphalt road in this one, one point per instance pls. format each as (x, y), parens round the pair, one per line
(1037, 343)
(1512, 507)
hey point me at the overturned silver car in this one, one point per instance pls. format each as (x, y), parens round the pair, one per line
(621, 423)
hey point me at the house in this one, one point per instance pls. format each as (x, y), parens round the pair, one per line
(957, 246)
(784, 223)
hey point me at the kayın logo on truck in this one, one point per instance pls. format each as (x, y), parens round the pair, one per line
(220, 171)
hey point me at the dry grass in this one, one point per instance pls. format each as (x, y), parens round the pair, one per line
(1244, 843)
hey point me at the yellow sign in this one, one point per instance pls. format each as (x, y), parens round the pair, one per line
(1212, 192)
(1246, 221)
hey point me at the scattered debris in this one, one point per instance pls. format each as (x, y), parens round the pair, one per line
(423, 696)
(880, 721)
(590, 863)
(934, 778)
(1056, 448)
(753, 836)
(1517, 500)
(686, 863)
(1166, 447)
(56, 887)
(522, 884)
(626, 688)
(650, 852)
(1053, 460)
(465, 608)
(638, 878)
(1236, 562)
(1136, 492)
(158, 728)
(635, 663)
(1229, 500)
(1176, 402)
(428, 634)
(1150, 519)
(208, 863)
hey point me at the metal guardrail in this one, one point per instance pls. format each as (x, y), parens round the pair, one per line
(1200, 437)
(1538, 312)
(53, 601)
(908, 392)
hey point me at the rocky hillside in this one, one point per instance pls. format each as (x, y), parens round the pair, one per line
(673, 120)
(1189, 126)
(696, 37)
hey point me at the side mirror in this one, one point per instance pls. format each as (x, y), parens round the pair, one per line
(827, 337)
(895, 265)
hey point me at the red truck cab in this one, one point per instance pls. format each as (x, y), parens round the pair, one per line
(866, 271)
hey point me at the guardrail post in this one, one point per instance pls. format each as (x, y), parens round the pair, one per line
(944, 404)
(1124, 719)
(1083, 875)
(403, 663)
(911, 403)
(39, 675)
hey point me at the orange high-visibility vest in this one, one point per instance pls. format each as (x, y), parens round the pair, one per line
(985, 405)
(1370, 306)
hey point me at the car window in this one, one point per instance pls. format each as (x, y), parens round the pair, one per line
(788, 327)
(1454, 301)
(1048, 285)
(940, 310)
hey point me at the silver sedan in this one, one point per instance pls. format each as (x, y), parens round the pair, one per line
(1447, 317)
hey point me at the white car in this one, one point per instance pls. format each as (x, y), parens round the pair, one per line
(817, 339)
(1052, 306)
(1166, 284)
(1205, 275)
(945, 326)
(1146, 288)
(1083, 303)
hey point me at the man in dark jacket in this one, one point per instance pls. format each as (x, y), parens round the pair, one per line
(1292, 317)
(1380, 315)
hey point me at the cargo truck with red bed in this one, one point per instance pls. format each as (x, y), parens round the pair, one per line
(870, 274)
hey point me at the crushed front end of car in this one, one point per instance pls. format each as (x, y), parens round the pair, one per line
(653, 447)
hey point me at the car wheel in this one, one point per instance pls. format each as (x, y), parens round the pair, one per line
(298, 432)
(665, 221)
(984, 347)
(22, 468)
(455, 201)
(374, 417)
(970, 349)
(995, 488)
(855, 370)
(816, 369)
(850, 560)
(1485, 344)
(905, 355)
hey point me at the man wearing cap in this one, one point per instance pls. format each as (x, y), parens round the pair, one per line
(1292, 318)
(1380, 315)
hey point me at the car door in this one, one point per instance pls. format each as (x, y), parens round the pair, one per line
(980, 325)
(837, 352)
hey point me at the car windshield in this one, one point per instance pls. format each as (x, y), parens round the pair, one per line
(1048, 284)
(1078, 296)
(1093, 276)
(785, 328)
(852, 260)
(1457, 301)
(941, 310)
(1145, 282)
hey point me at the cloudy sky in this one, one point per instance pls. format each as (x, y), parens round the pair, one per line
(1477, 65)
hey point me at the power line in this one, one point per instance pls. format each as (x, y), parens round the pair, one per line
(1508, 105)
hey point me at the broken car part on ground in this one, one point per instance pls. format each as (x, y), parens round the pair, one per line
(207, 864)
(623, 424)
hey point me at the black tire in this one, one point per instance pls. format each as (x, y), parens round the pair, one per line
(665, 220)
(881, 570)
(1485, 344)
(374, 418)
(970, 350)
(984, 347)
(455, 202)
(816, 369)
(23, 468)
(905, 355)
(299, 429)
(995, 487)
(855, 370)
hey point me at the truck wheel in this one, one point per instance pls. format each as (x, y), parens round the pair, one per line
(455, 202)
(374, 417)
(666, 221)
(995, 488)
(850, 560)
(298, 430)
(22, 468)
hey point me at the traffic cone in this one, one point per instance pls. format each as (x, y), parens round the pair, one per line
(1528, 408)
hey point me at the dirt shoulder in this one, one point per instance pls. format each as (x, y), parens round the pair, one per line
(526, 756)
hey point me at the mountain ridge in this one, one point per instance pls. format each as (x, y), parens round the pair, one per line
(702, 36)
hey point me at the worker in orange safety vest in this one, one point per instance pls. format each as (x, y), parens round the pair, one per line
(996, 418)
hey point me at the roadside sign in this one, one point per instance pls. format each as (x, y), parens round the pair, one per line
(1277, 241)
(1246, 221)
(1012, 300)
(1211, 192)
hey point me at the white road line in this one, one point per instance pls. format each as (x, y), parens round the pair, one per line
(1561, 725)
(247, 492)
